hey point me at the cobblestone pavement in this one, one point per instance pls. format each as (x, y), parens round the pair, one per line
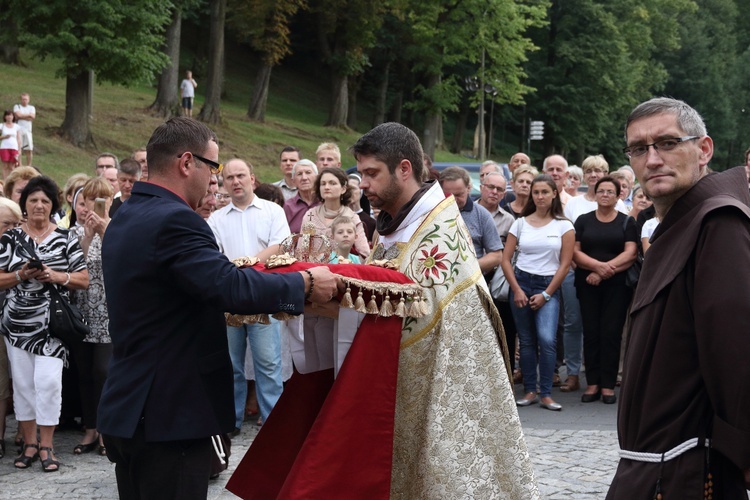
(569, 464)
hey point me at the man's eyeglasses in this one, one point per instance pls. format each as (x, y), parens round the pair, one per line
(660, 145)
(490, 187)
(221, 196)
(216, 168)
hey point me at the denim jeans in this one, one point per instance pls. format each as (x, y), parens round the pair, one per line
(573, 325)
(537, 333)
(265, 344)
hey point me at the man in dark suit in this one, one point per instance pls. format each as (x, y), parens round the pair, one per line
(170, 379)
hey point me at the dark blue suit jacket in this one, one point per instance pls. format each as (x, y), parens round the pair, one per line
(168, 286)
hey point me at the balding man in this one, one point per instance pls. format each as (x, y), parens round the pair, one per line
(251, 227)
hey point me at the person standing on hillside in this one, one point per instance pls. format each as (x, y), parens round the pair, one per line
(187, 93)
(25, 114)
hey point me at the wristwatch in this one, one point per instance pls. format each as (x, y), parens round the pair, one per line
(546, 296)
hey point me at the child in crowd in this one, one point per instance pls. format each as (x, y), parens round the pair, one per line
(344, 233)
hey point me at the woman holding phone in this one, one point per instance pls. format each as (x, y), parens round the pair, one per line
(93, 354)
(33, 257)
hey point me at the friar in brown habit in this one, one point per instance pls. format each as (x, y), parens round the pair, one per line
(684, 416)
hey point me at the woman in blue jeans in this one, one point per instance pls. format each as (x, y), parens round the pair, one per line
(545, 240)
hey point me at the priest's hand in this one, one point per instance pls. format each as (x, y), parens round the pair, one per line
(325, 285)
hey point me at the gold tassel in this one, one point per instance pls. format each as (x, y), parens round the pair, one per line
(414, 310)
(347, 300)
(386, 310)
(372, 306)
(282, 316)
(359, 305)
(401, 307)
(424, 306)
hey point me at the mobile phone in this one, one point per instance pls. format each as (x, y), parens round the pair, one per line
(99, 207)
(35, 264)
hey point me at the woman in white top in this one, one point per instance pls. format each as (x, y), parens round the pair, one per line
(10, 139)
(545, 241)
(648, 229)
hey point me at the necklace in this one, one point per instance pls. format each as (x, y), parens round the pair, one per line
(39, 237)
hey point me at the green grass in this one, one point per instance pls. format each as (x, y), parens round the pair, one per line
(121, 123)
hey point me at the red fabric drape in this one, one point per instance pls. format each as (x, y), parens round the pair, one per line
(332, 439)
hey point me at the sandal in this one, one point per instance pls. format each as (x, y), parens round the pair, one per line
(24, 461)
(86, 448)
(49, 464)
(102, 450)
(2, 448)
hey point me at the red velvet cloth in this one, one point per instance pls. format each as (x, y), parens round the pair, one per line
(332, 439)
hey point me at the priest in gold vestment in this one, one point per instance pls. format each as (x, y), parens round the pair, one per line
(457, 432)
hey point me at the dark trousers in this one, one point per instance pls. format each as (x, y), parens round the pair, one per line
(603, 310)
(169, 470)
(509, 325)
(92, 361)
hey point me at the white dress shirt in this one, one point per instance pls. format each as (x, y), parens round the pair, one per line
(245, 233)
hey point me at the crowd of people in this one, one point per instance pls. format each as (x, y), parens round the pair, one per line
(568, 241)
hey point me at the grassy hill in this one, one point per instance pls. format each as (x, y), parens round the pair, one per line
(121, 123)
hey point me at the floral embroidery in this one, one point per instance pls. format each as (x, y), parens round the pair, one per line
(433, 262)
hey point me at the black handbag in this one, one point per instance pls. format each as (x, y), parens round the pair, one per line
(66, 322)
(633, 273)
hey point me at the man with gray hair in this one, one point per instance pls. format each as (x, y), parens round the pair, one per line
(105, 161)
(684, 417)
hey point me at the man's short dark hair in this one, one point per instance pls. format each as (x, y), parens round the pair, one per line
(47, 186)
(174, 137)
(129, 166)
(290, 149)
(390, 143)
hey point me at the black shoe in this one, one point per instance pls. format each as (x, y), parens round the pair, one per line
(86, 448)
(609, 399)
(235, 432)
(590, 398)
(24, 461)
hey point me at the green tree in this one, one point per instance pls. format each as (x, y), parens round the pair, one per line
(445, 33)
(346, 31)
(117, 40)
(597, 62)
(702, 73)
(167, 101)
(211, 110)
(265, 23)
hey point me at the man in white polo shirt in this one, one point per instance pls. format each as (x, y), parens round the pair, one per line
(250, 226)
(25, 114)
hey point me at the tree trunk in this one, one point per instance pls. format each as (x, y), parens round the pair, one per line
(397, 107)
(167, 102)
(382, 96)
(75, 127)
(9, 42)
(458, 135)
(351, 119)
(257, 109)
(340, 104)
(211, 111)
(432, 121)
